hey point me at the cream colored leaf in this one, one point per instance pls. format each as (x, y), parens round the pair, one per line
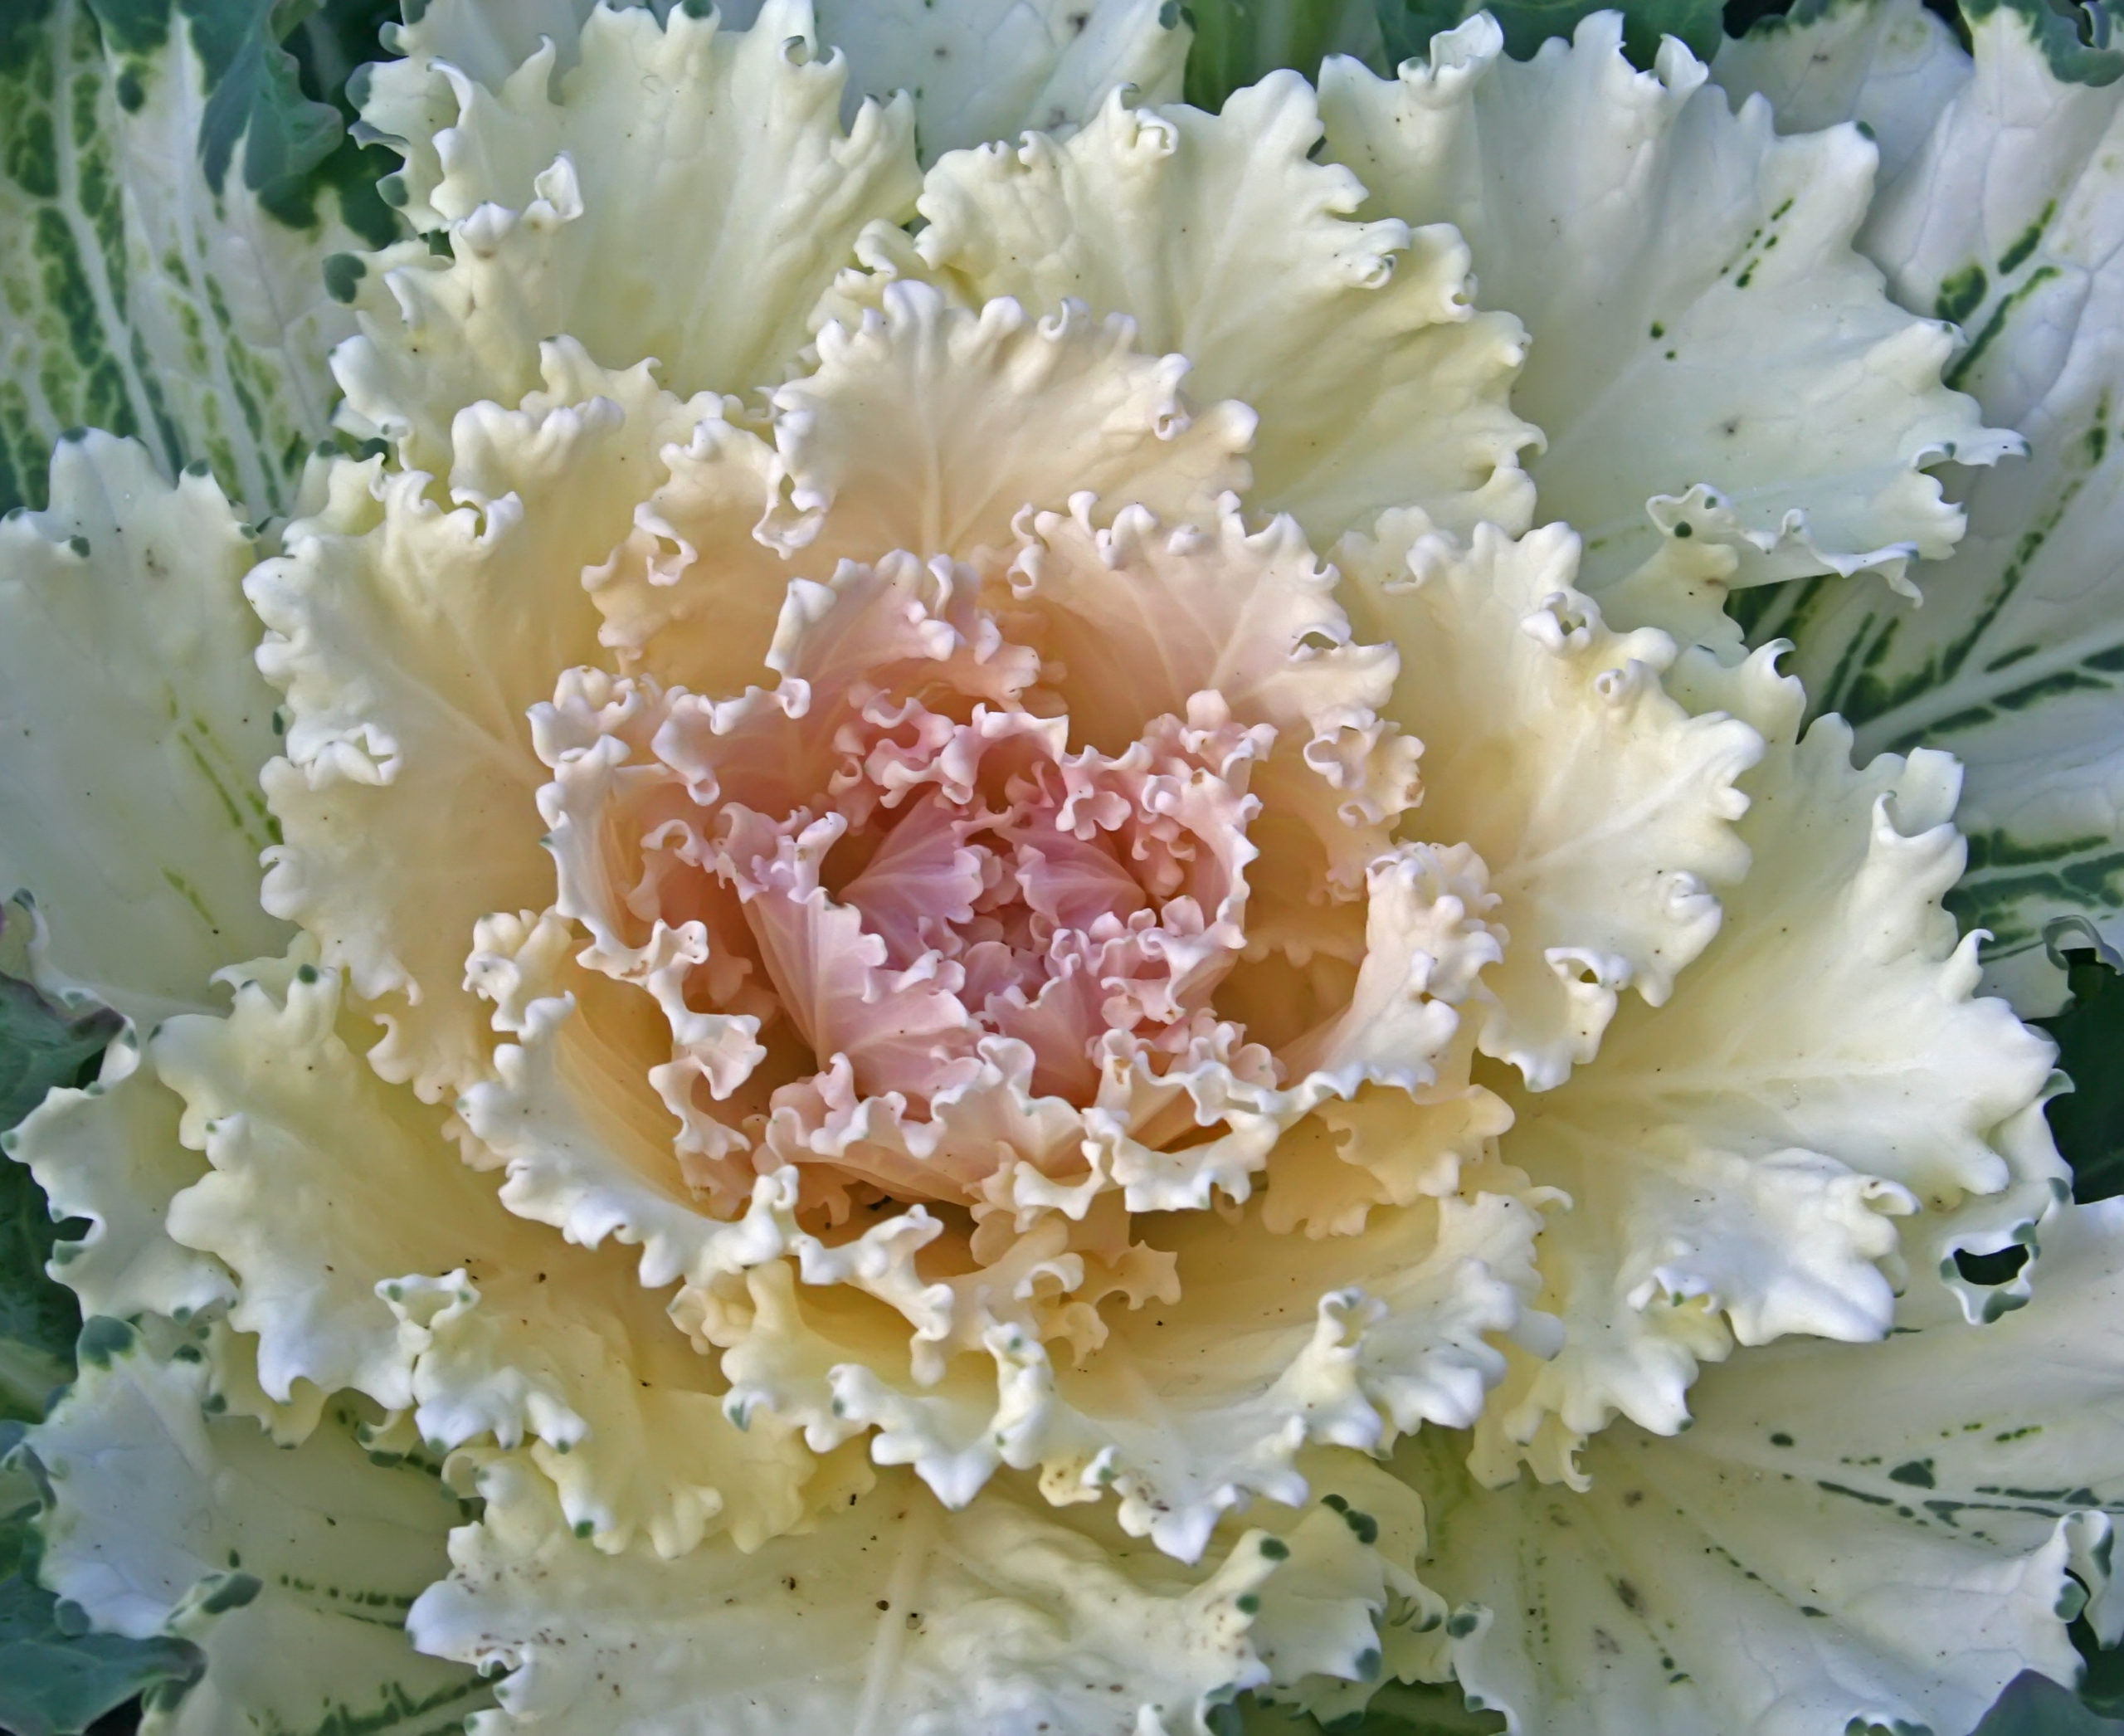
(1890, 65)
(1824, 1062)
(2007, 218)
(1376, 382)
(411, 642)
(1004, 412)
(132, 728)
(109, 1154)
(1198, 1398)
(990, 68)
(892, 1617)
(681, 192)
(367, 1256)
(1603, 809)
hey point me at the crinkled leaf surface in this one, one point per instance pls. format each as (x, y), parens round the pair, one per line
(2007, 218)
(893, 1616)
(1845, 1508)
(1890, 65)
(162, 239)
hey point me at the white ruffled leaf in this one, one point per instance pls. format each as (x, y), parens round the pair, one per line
(976, 70)
(1736, 1155)
(109, 1154)
(682, 191)
(980, 69)
(1006, 412)
(400, 1276)
(1707, 350)
(411, 642)
(1891, 66)
(1197, 1399)
(1376, 382)
(893, 1615)
(1603, 810)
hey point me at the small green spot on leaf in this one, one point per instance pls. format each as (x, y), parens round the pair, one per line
(1961, 294)
(343, 273)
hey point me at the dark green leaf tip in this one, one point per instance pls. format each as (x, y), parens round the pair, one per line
(343, 275)
(235, 1592)
(104, 1340)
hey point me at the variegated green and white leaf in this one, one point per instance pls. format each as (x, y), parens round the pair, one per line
(1890, 65)
(1897, 1530)
(2008, 217)
(163, 244)
(291, 1568)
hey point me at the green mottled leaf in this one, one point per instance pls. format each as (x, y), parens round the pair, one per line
(255, 100)
(290, 1567)
(55, 1678)
(2088, 1121)
(2078, 41)
(144, 287)
(41, 1046)
(2034, 1705)
(2006, 216)
(1408, 26)
(1238, 42)
(1398, 1708)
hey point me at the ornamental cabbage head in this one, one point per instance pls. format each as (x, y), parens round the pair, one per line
(1033, 949)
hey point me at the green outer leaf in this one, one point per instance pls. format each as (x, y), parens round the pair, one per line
(1399, 1708)
(1239, 42)
(2088, 1121)
(41, 1046)
(2076, 39)
(54, 1679)
(257, 100)
(2034, 1705)
(1409, 24)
